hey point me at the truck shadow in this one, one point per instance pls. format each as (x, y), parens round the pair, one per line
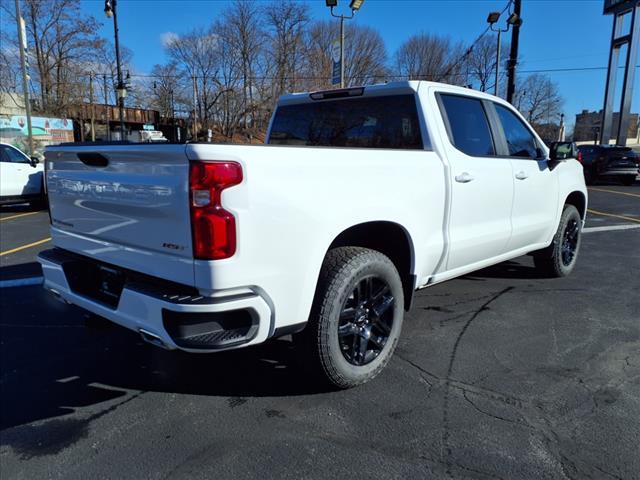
(521, 268)
(53, 363)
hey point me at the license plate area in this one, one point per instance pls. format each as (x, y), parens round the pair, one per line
(101, 283)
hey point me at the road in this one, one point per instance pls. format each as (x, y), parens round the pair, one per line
(500, 374)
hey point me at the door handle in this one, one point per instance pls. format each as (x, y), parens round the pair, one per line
(464, 177)
(522, 176)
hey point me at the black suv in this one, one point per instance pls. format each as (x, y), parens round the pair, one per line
(609, 162)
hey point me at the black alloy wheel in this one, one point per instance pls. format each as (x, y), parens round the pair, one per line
(570, 241)
(366, 320)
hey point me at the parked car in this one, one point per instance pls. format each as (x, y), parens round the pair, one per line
(21, 177)
(361, 196)
(604, 162)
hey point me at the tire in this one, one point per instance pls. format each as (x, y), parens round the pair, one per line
(628, 180)
(559, 259)
(359, 301)
(589, 176)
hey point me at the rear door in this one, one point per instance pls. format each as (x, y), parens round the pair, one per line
(482, 183)
(125, 205)
(535, 196)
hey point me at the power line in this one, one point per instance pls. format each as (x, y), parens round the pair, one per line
(470, 49)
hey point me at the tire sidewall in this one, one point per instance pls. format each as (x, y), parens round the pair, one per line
(570, 212)
(380, 267)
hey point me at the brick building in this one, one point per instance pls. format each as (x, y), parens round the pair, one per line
(588, 125)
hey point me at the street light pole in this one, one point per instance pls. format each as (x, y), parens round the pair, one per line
(354, 6)
(492, 19)
(110, 9)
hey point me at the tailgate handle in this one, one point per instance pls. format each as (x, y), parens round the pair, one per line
(93, 159)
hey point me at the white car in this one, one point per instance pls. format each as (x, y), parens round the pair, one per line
(21, 177)
(361, 196)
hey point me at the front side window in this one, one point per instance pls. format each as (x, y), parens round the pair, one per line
(3, 154)
(367, 122)
(13, 156)
(468, 125)
(520, 140)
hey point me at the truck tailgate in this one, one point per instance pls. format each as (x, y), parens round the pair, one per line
(127, 205)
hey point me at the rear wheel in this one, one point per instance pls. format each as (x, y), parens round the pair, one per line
(628, 180)
(356, 318)
(559, 259)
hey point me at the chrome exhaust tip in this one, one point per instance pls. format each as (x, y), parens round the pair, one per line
(153, 339)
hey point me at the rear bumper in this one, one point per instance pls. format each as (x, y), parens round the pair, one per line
(168, 319)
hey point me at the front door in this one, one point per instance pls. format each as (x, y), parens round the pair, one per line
(535, 198)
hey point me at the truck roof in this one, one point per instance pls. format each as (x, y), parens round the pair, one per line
(378, 89)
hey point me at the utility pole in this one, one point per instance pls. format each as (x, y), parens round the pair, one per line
(341, 51)
(194, 134)
(513, 56)
(496, 89)
(106, 105)
(22, 40)
(111, 10)
(93, 108)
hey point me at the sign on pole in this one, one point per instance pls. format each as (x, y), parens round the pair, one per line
(337, 67)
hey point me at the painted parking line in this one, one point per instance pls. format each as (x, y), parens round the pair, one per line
(2, 219)
(614, 191)
(21, 282)
(610, 228)
(613, 215)
(24, 247)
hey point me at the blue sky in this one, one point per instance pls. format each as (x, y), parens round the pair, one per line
(556, 34)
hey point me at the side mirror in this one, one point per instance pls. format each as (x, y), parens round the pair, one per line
(34, 161)
(559, 151)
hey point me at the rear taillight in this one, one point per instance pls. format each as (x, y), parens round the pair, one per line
(579, 157)
(213, 228)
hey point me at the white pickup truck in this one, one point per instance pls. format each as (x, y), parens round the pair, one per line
(361, 197)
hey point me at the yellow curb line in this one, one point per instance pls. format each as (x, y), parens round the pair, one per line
(29, 245)
(2, 219)
(630, 219)
(614, 191)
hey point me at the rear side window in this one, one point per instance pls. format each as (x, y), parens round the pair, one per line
(367, 122)
(520, 140)
(468, 125)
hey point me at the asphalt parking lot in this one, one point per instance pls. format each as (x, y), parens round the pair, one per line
(500, 374)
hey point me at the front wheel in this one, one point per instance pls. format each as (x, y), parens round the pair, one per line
(559, 259)
(356, 318)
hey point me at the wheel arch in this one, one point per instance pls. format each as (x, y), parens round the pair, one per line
(579, 200)
(390, 239)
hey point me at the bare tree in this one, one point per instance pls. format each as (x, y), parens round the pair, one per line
(429, 57)
(481, 62)
(539, 99)
(242, 29)
(286, 22)
(196, 56)
(61, 38)
(165, 89)
(365, 54)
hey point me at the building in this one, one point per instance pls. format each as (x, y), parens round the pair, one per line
(588, 125)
